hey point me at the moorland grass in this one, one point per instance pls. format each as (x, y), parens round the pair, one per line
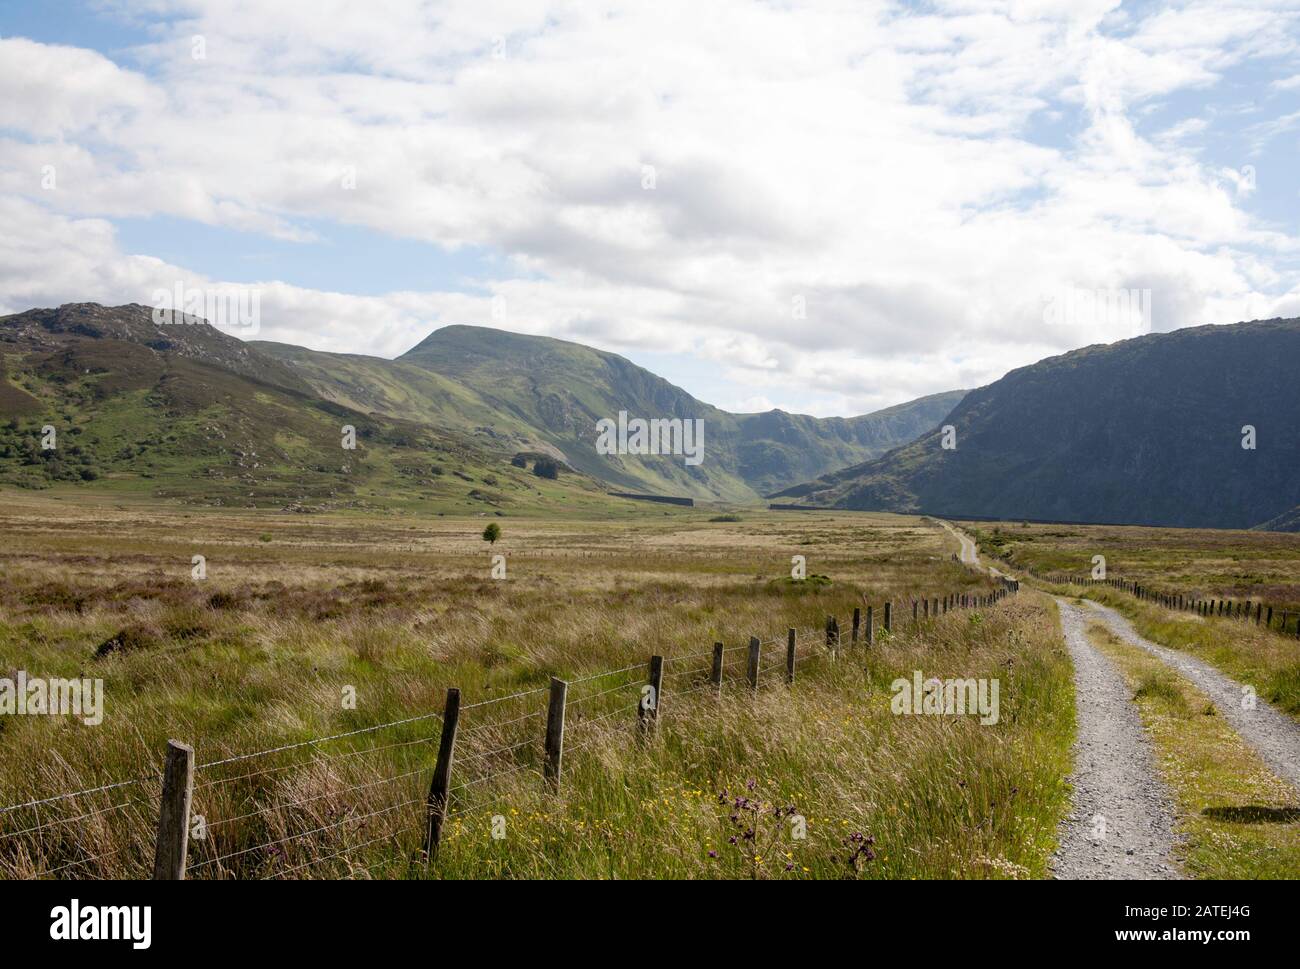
(390, 610)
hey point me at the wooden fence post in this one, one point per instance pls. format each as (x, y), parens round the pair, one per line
(650, 717)
(752, 671)
(889, 617)
(832, 635)
(789, 655)
(915, 607)
(554, 763)
(174, 813)
(715, 677)
(436, 809)
(871, 626)
(857, 621)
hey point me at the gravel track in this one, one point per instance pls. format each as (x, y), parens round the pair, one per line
(1271, 734)
(1121, 821)
(1121, 816)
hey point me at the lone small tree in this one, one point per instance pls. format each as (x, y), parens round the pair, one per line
(492, 533)
(546, 468)
(519, 461)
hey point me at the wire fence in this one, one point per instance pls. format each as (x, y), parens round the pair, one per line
(1254, 611)
(360, 803)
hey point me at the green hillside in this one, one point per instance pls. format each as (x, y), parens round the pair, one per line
(562, 389)
(189, 413)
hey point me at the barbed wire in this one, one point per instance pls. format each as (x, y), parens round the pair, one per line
(503, 699)
(82, 861)
(702, 669)
(491, 777)
(597, 676)
(317, 797)
(617, 711)
(484, 758)
(316, 740)
(321, 758)
(317, 861)
(80, 817)
(503, 723)
(303, 834)
(592, 696)
(90, 790)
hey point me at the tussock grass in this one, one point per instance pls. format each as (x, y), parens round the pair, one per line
(391, 610)
(939, 797)
(1157, 684)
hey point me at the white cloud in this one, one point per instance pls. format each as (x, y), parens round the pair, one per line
(874, 161)
(48, 90)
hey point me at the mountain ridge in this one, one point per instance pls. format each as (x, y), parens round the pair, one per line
(1145, 431)
(559, 390)
(267, 415)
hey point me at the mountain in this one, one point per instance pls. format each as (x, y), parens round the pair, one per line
(184, 410)
(539, 393)
(1288, 521)
(1144, 431)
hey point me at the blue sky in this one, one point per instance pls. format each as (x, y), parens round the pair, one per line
(856, 206)
(350, 258)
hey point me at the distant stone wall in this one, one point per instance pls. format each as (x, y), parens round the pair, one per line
(662, 499)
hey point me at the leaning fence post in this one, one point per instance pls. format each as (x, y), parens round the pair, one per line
(174, 813)
(555, 732)
(789, 655)
(871, 626)
(648, 708)
(437, 803)
(752, 671)
(715, 675)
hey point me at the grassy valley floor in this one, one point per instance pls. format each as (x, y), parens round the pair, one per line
(325, 626)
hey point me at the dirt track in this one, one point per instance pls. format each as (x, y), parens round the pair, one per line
(1122, 816)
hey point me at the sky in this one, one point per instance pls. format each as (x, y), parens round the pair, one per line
(828, 207)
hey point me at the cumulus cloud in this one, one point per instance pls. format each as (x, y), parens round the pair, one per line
(842, 201)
